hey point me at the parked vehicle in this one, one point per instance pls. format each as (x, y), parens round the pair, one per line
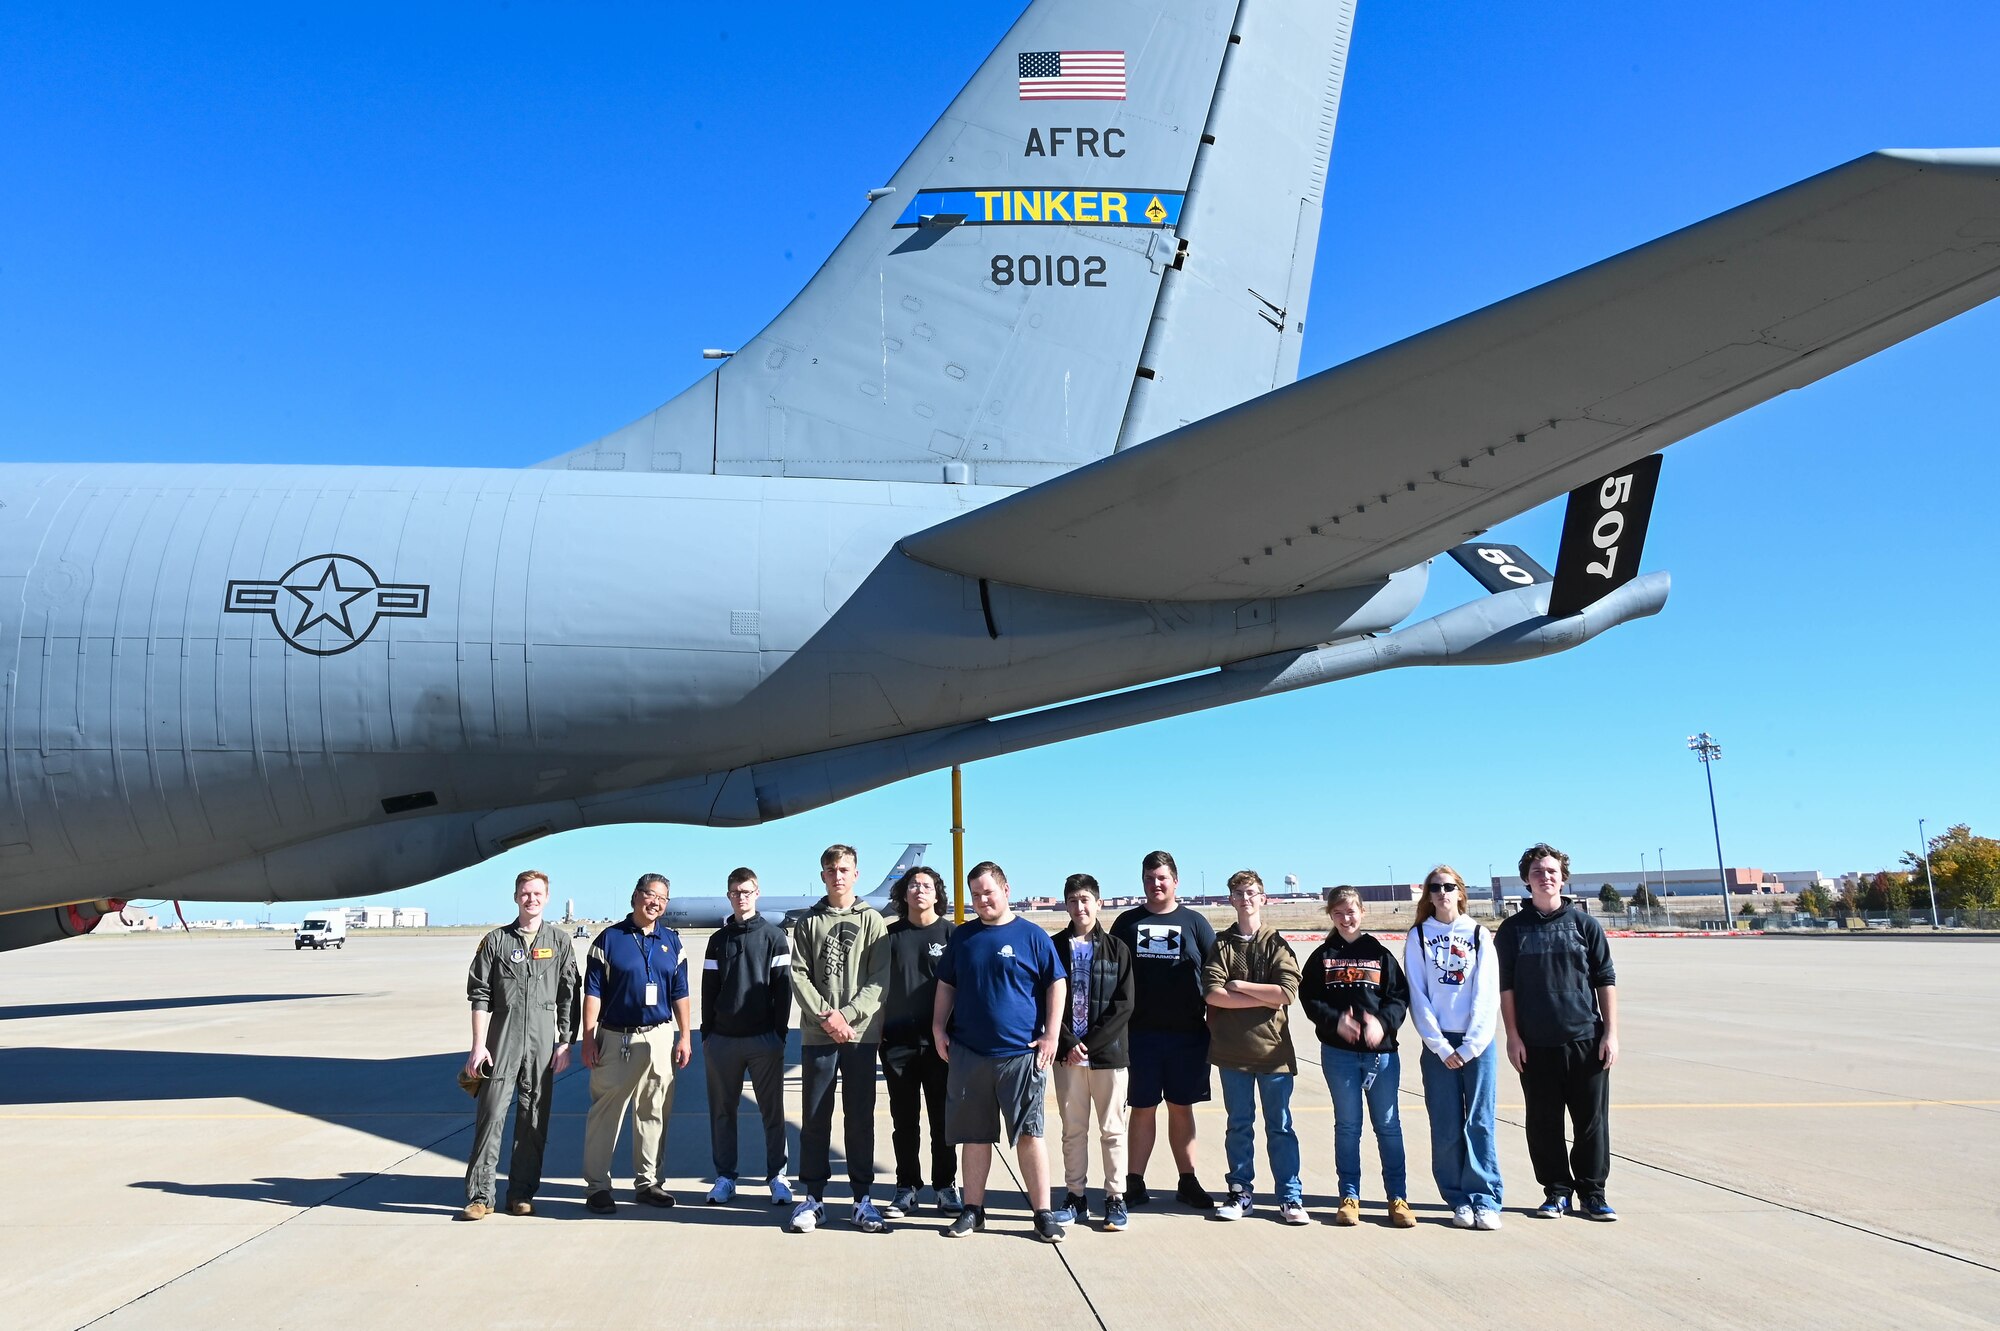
(322, 929)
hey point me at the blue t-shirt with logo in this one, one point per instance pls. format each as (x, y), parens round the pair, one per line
(1000, 972)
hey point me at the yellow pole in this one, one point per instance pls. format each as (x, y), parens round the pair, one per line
(957, 846)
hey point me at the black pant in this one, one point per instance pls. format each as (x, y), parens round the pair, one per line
(853, 1067)
(1568, 1077)
(726, 1058)
(916, 1077)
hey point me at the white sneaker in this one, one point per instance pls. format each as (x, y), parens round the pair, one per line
(805, 1217)
(1293, 1213)
(781, 1191)
(724, 1189)
(1485, 1219)
(1234, 1207)
(1462, 1216)
(869, 1220)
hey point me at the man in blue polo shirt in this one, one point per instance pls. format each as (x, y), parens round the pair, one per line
(635, 980)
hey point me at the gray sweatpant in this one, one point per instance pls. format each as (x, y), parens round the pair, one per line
(725, 1059)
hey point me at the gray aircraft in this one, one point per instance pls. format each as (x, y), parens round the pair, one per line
(688, 910)
(1024, 460)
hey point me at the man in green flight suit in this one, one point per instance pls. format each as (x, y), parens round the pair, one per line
(524, 991)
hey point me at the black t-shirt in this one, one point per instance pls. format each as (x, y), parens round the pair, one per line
(1168, 952)
(912, 992)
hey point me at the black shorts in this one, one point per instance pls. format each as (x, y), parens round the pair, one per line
(981, 1092)
(1169, 1065)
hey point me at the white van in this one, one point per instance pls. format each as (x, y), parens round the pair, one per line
(322, 929)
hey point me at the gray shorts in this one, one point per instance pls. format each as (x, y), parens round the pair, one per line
(980, 1092)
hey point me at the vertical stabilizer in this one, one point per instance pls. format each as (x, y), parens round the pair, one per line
(984, 320)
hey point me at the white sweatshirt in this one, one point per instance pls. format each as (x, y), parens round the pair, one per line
(1454, 985)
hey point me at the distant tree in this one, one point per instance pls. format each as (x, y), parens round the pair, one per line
(1816, 901)
(1886, 894)
(1643, 898)
(1966, 869)
(1608, 896)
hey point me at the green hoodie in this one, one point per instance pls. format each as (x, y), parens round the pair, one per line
(840, 960)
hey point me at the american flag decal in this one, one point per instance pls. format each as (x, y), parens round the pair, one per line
(1072, 76)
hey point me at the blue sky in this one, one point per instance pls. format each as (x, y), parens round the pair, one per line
(464, 234)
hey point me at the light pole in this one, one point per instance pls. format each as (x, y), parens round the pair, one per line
(1922, 841)
(1708, 751)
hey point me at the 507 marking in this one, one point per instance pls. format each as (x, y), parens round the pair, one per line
(1610, 525)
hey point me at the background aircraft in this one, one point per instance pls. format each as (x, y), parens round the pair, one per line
(688, 910)
(348, 680)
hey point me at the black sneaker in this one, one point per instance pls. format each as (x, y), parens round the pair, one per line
(600, 1203)
(1594, 1207)
(1554, 1206)
(972, 1220)
(1135, 1190)
(653, 1195)
(1190, 1193)
(1048, 1229)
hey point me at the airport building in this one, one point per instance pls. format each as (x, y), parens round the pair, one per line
(1674, 884)
(388, 917)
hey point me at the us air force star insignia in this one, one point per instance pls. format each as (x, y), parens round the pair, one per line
(327, 604)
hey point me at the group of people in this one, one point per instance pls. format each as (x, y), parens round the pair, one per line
(969, 1025)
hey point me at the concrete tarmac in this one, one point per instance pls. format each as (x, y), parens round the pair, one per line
(223, 1132)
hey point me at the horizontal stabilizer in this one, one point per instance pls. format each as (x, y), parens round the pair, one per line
(1399, 455)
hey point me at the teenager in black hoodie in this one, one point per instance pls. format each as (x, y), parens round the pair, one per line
(1354, 993)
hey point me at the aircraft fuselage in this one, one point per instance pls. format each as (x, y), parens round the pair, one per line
(278, 682)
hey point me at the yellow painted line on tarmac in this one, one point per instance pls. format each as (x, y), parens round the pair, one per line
(1820, 1104)
(1296, 1109)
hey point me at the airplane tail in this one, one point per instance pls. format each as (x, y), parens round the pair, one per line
(1109, 233)
(912, 856)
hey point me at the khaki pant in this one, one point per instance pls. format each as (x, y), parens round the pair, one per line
(1078, 1092)
(635, 1070)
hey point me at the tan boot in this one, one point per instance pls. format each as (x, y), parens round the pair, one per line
(1400, 1214)
(1349, 1212)
(475, 1211)
(520, 1208)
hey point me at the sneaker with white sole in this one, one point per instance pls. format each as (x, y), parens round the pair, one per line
(971, 1220)
(867, 1219)
(1554, 1206)
(1485, 1219)
(1463, 1217)
(1293, 1213)
(1116, 1217)
(806, 1217)
(903, 1202)
(1236, 1206)
(1048, 1229)
(1073, 1209)
(950, 1200)
(781, 1191)
(724, 1189)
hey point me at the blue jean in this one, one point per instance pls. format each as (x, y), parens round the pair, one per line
(1465, 1159)
(1346, 1073)
(1240, 1093)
